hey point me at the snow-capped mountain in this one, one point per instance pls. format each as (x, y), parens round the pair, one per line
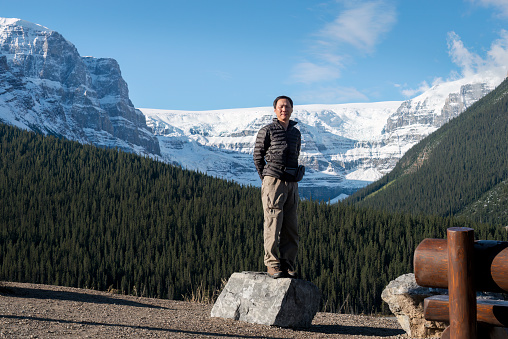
(221, 142)
(416, 118)
(46, 86)
(344, 147)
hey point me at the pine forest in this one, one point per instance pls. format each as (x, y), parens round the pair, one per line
(77, 215)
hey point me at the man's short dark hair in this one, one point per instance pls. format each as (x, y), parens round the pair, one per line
(282, 97)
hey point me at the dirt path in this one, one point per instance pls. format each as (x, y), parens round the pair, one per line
(44, 311)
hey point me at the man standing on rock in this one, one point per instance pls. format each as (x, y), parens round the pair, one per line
(276, 158)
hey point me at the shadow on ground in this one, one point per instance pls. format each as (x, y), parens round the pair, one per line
(22, 292)
(148, 328)
(356, 330)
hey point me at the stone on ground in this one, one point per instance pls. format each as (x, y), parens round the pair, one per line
(405, 299)
(256, 298)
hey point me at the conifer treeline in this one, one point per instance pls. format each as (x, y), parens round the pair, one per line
(77, 215)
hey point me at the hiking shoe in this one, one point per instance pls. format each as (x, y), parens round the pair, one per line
(274, 272)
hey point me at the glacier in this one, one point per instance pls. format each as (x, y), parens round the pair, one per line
(344, 147)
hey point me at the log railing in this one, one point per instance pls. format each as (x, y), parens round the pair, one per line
(464, 266)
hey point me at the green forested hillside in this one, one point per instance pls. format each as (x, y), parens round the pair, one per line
(450, 170)
(81, 216)
(492, 207)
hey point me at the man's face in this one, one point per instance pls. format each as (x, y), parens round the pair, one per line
(283, 110)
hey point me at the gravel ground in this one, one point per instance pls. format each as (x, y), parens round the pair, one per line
(44, 311)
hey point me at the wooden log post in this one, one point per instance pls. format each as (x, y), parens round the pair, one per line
(490, 264)
(462, 295)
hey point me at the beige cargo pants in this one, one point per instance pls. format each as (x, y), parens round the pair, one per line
(280, 204)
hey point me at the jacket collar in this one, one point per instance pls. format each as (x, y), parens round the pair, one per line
(291, 123)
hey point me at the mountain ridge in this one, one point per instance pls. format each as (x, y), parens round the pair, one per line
(453, 169)
(46, 86)
(344, 146)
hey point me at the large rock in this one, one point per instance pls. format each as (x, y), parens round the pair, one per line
(257, 298)
(405, 299)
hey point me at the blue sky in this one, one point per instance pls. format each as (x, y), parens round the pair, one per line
(205, 55)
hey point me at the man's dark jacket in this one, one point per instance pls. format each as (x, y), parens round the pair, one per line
(277, 149)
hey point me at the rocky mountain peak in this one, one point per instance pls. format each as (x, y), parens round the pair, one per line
(48, 87)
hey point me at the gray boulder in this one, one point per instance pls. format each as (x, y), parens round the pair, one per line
(257, 298)
(405, 299)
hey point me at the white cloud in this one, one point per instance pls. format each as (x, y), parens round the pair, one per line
(221, 75)
(414, 92)
(498, 54)
(502, 5)
(308, 72)
(461, 56)
(496, 60)
(424, 86)
(362, 26)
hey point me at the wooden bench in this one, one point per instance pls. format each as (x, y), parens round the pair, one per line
(464, 266)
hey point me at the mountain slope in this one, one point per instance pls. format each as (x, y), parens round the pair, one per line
(46, 86)
(453, 167)
(492, 207)
(77, 215)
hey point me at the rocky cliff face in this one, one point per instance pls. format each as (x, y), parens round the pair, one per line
(439, 105)
(418, 117)
(46, 86)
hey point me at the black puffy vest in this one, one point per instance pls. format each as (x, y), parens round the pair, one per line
(276, 149)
